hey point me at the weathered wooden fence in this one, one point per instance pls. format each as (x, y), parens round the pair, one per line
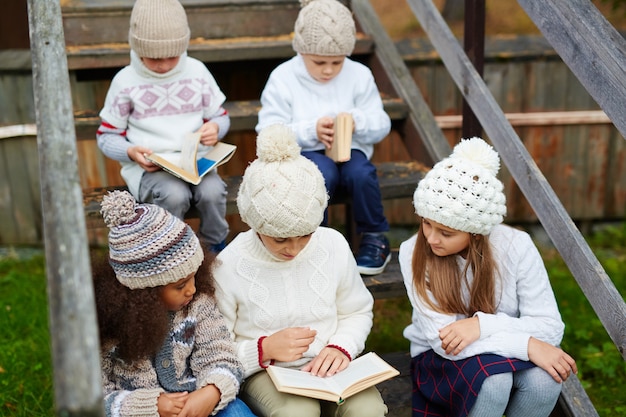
(555, 117)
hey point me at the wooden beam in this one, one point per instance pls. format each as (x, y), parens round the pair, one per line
(593, 49)
(585, 267)
(532, 119)
(243, 117)
(72, 314)
(474, 46)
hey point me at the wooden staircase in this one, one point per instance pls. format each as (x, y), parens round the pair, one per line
(241, 41)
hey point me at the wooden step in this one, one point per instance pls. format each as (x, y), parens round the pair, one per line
(104, 21)
(397, 180)
(248, 48)
(243, 116)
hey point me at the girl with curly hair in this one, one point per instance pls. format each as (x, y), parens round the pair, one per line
(165, 349)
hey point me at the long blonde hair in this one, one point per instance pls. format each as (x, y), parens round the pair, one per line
(442, 277)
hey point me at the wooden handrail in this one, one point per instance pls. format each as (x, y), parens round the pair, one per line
(590, 46)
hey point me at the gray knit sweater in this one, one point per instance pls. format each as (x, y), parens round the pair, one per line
(198, 351)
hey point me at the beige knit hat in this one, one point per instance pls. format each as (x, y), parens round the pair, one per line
(282, 193)
(148, 246)
(324, 27)
(158, 29)
(462, 191)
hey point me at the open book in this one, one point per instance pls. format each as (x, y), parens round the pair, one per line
(342, 145)
(363, 372)
(188, 164)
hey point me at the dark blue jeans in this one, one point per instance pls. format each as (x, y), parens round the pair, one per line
(357, 179)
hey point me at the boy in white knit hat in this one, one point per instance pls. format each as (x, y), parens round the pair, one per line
(485, 327)
(152, 104)
(165, 350)
(289, 289)
(309, 91)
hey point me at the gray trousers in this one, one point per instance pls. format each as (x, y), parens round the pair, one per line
(178, 196)
(528, 393)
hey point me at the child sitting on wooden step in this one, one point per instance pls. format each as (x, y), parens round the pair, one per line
(307, 92)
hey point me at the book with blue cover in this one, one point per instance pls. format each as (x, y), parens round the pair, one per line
(189, 164)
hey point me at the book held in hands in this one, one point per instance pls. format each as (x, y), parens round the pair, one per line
(342, 144)
(363, 372)
(189, 164)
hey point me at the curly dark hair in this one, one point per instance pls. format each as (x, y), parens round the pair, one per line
(136, 320)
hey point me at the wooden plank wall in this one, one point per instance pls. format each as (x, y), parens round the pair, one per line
(523, 74)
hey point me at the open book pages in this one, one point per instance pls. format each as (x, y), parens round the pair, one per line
(363, 372)
(189, 164)
(342, 145)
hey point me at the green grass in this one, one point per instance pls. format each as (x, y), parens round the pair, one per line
(26, 387)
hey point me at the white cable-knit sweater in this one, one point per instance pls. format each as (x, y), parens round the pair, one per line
(526, 305)
(321, 288)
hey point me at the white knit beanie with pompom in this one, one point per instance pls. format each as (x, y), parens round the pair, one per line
(282, 193)
(324, 27)
(462, 191)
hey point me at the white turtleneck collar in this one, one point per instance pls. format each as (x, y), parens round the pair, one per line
(142, 70)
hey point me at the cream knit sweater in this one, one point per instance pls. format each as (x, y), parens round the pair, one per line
(525, 302)
(320, 288)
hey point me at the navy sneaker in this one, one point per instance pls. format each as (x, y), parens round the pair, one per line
(374, 254)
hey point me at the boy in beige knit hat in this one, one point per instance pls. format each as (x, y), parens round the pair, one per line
(309, 91)
(289, 289)
(152, 104)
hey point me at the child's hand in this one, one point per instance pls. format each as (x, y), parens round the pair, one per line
(327, 363)
(551, 359)
(325, 129)
(137, 154)
(288, 344)
(201, 403)
(170, 404)
(458, 335)
(208, 133)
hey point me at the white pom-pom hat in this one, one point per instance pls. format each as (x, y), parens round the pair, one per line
(282, 193)
(462, 191)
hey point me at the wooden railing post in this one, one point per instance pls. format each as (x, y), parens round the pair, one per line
(72, 318)
(474, 45)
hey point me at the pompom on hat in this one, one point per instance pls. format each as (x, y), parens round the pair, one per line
(462, 191)
(282, 193)
(324, 27)
(158, 29)
(148, 246)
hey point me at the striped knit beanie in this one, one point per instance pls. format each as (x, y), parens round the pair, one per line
(324, 27)
(148, 246)
(158, 29)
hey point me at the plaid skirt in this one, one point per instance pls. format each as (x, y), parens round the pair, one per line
(445, 388)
